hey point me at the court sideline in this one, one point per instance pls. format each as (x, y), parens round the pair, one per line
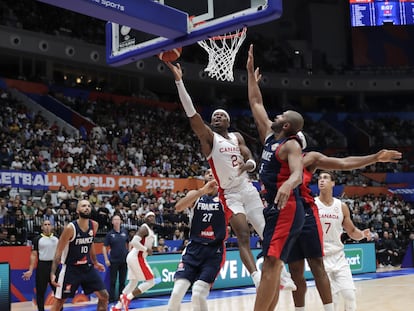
(388, 290)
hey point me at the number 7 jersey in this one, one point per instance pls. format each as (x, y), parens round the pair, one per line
(331, 220)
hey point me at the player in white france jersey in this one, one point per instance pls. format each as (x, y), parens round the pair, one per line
(335, 216)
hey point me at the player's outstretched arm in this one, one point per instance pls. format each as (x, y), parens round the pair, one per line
(255, 98)
(350, 228)
(193, 195)
(203, 132)
(386, 155)
(316, 160)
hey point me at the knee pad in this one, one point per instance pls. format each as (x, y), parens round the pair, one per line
(199, 295)
(349, 299)
(180, 288)
(143, 287)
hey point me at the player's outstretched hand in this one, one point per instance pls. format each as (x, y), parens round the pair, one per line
(367, 234)
(176, 70)
(385, 155)
(250, 65)
(210, 187)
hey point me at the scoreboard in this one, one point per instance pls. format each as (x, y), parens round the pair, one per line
(381, 12)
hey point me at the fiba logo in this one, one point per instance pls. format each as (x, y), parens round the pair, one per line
(125, 32)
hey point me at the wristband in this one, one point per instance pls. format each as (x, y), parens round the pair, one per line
(253, 162)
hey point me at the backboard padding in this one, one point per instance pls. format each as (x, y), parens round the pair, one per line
(225, 16)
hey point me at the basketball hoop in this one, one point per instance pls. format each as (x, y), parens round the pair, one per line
(222, 52)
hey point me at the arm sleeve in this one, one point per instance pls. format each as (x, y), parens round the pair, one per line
(185, 99)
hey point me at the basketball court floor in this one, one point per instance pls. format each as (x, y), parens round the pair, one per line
(387, 289)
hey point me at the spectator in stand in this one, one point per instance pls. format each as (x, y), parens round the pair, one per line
(49, 215)
(127, 200)
(76, 193)
(17, 164)
(120, 210)
(3, 211)
(90, 189)
(178, 235)
(162, 247)
(94, 198)
(12, 241)
(103, 216)
(28, 209)
(114, 198)
(63, 195)
(6, 158)
(17, 227)
(392, 251)
(122, 192)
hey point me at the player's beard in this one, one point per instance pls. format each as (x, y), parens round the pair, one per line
(84, 215)
(277, 127)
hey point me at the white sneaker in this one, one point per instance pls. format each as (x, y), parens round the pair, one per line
(256, 276)
(286, 282)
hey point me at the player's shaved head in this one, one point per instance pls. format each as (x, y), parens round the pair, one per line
(295, 119)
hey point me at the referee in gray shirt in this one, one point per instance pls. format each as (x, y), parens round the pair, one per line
(43, 251)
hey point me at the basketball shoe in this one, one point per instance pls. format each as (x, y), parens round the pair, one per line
(256, 276)
(114, 308)
(286, 282)
(125, 301)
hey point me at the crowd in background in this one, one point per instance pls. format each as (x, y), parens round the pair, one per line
(135, 144)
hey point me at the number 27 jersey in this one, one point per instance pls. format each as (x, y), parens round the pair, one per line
(208, 224)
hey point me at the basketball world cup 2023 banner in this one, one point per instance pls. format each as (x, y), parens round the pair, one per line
(52, 181)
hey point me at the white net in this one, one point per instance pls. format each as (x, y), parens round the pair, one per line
(222, 51)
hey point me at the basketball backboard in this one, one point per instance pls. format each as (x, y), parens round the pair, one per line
(204, 19)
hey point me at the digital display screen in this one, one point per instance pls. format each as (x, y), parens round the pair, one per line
(381, 12)
(4, 286)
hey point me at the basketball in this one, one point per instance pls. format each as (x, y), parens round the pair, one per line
(170, 56)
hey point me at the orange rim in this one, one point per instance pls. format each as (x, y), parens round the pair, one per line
(230, 36)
